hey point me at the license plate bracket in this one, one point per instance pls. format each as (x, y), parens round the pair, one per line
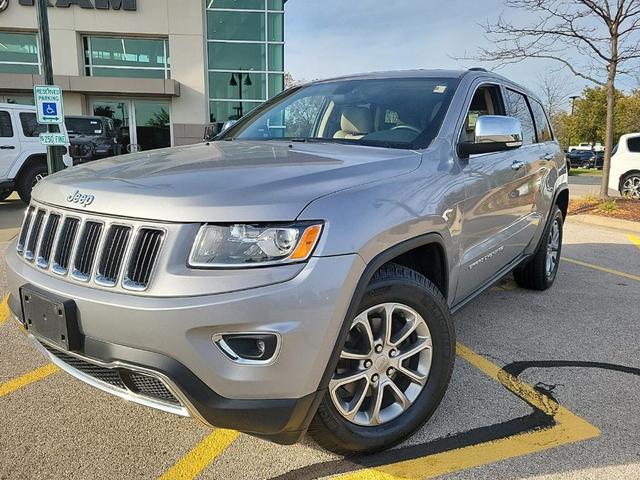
(50, 317)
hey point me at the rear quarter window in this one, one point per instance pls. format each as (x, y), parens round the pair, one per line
(543, 129)
(634, 144)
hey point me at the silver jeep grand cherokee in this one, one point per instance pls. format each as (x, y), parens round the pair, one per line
(299, 272)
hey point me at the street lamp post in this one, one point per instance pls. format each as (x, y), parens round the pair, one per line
(54, 154)
(239, 83)
(573, 103)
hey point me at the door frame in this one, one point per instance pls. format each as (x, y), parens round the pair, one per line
(131, 101)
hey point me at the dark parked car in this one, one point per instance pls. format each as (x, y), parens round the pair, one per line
(92, 138)
(578, 158)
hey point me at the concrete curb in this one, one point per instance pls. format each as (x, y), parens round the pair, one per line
(607, 222)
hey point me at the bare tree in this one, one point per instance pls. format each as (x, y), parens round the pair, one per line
(554, 91)
(594, 39)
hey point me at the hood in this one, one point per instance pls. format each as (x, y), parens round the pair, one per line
(239, 181)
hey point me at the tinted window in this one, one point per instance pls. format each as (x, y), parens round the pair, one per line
(519, 109)
(6, 130)
(542, 124)
(396, 113)
(634, 144)
(30, 126)
(84, 126)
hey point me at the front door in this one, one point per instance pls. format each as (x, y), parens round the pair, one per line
(9, 143)
(497, 219)
(141, 124)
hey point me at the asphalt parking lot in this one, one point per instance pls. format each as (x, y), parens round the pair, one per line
(546, 385)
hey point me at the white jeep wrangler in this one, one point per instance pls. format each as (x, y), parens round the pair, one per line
(23, 160)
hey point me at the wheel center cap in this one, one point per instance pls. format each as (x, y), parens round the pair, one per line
(381, 363)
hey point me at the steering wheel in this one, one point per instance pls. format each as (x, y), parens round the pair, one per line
(407, 127)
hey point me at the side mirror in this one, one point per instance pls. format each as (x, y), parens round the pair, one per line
(227, 125)
(493, 133)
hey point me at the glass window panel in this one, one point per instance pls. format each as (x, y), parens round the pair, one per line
(235, 26)
(520, 110)
(127, 52)
(276, 84)
(220, 86)
(31, 127)
(237, 56)
(153, 125)
(276, 27)
(127, 72)
(224, 111)
(18, 48)
(276, 4)
(21, 99)
(276, 58)
(6, 129)
(245, 4)
(18, 68)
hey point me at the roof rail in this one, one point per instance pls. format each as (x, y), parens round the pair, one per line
(478, 69)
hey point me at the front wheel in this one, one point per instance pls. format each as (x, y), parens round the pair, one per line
(4, 194)
(394, 367)
(29, 179)
(540, 272)
(585, 165)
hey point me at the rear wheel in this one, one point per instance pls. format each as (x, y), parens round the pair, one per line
(394, 367)
(540, 272)
(585, 165)
(630, 186)
(29, 178)
(4, 194)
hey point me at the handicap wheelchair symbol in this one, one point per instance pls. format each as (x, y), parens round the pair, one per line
(50, 109)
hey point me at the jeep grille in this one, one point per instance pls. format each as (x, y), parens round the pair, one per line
(90, 249)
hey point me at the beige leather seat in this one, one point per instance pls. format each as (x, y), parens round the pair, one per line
(356, 122)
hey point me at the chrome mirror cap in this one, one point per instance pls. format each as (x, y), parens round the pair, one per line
(499, 129)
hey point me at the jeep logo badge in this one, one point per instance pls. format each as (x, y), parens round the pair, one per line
(3, 5)
(81, 199)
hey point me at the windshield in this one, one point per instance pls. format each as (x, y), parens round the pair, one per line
(83, 126)
(392, 112)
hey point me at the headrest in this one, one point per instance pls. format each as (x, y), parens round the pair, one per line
(356, 120)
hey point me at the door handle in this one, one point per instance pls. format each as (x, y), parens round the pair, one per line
(549, 156)
(517, 165)
(7, 147)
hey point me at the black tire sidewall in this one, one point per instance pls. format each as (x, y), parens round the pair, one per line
(4, 194)
(26, 181)
(436, 315)
(557, 216)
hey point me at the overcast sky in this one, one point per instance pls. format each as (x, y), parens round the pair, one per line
(326, 38)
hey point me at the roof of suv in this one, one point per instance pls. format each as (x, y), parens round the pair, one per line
(17, 106)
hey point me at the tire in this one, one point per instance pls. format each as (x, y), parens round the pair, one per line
(4, 194)
(585, 165)
(402, 288)
(28, 179)
(630, 186)
(535, 274)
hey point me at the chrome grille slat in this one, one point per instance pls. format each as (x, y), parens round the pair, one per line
(86, 251)
(62, 256)
(87, 248)
(143, 259)
(34, 235)
(46, 244)
(24, 232)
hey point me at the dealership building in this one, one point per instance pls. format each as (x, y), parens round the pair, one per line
(162, 69)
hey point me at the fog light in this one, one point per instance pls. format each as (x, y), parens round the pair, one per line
(248, 348)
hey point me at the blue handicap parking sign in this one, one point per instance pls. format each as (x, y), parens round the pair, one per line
(50, 109)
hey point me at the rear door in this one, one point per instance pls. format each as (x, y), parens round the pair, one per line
(498, 211)
(9, 143)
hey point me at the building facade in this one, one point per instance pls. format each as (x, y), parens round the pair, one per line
(162, 69)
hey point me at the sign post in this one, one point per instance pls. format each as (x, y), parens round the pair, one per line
(50, 111)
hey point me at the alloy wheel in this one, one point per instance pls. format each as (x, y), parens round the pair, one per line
(383, 366)
(553, 249)
(631, 187)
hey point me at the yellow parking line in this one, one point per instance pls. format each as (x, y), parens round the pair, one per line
(635, 240)
(602, 269)
(26, 379)
(569, 428)
(4, 309)
(190, 466)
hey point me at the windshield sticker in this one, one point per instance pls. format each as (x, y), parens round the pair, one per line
(440, 89)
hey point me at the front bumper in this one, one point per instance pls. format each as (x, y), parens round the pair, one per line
(171, 339)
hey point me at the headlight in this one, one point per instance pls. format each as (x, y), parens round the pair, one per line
(242, 245)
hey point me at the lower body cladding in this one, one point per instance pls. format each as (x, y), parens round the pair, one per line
(167, 353)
